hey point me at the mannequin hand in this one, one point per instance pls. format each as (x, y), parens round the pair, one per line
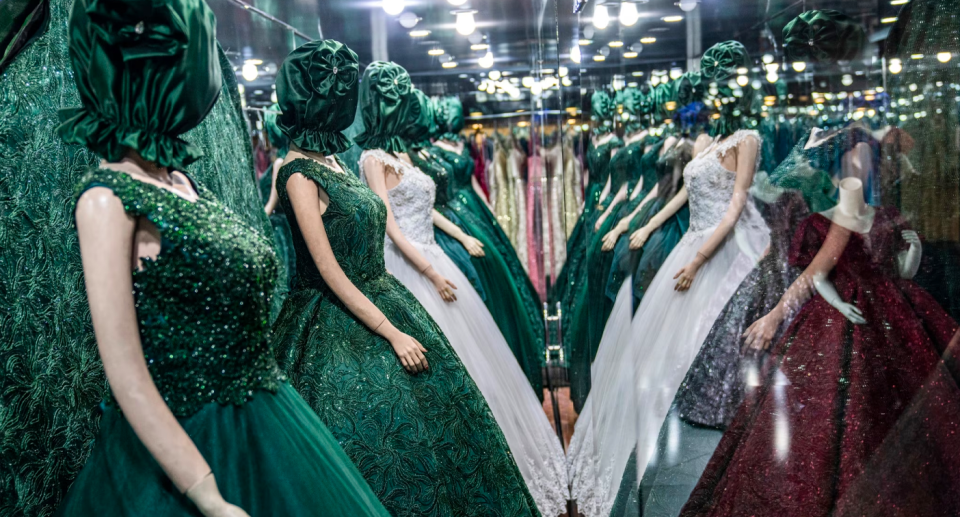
(639, 238)
(410, 352)
(474, 247)
(908, 262)
(610, 239)
(444, 287)
(760, 334)
(912, 238)
(207, 497)
(686, 276)
(599, 222)
(851, 312)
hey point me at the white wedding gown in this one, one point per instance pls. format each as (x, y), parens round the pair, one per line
(640, 363)
(475, 337)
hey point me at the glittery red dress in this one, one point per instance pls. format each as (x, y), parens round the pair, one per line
(840, 404)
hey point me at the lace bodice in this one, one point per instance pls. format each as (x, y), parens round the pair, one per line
(710, 186)
(411, 200)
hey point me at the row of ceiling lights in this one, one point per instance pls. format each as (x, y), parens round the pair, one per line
(629, 15)
(466, 25)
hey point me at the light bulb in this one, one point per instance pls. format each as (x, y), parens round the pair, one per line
(601, 18)
(249, 72)
(566, 81)
(536, 89)
(743, 80)
(846, 80)
(393, 7)
(895, 66)
(773, 77)
(483, 86)
(944, 57)
(487, 60)
(655, 80)
(273, 96)
(495, 75)
(599, 57)
(628, 14)
(457, 3)
(688, 5)
(768, 58)
(491, 88)
(575, 55)
(563, 71)
(675, 73)
(465, 23)
(527, 82)
(799, 66)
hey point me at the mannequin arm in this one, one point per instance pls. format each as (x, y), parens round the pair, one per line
(473, 246)
(617, 198)
(106, 235)
(274, 198)
(639, 237)
(908, 262)
(746, 166)
(637, 188)
(476, 188)
(610, 239)
(304, 198)
(376, 178)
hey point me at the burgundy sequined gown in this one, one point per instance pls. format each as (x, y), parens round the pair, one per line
(839, 400)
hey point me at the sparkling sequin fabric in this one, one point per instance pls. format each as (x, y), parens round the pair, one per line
(204, 336)
(427, 444)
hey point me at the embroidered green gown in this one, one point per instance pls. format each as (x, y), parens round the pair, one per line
(427, 443)
(202, 307)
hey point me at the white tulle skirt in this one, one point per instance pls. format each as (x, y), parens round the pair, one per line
(641, 362)
(484, 351)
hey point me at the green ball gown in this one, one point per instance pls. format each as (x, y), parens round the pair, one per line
(427, 443)
(203, 306)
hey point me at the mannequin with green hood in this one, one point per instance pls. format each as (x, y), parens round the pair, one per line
(356, 344)
(179, 294)
(449, 118)
(280, 145)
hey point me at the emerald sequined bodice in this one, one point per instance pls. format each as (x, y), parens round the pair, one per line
(460, 164)
(598, 160)
(433, 167)
(355, 223)
(203, 304)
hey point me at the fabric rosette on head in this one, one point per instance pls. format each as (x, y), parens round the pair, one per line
(602, 110)
(421, 123)
(689, 88)
(634, 105)
(719, 64)
(721, 61)
(663, 94)
(449, 118)
(823, 36)
(386, 97)
(317, 94)
(131, 60)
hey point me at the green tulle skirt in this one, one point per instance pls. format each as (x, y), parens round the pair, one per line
(271, 456)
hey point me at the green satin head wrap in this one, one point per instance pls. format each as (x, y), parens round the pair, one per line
(662, 94)
(602, 111)
(823, 36)
(386, 96)
(689, 88)
(146, 71)
(633, 105)
(278, 140)
(449, 119)
(721, 61)
(418, 129)
(317, 93)
(21, 22)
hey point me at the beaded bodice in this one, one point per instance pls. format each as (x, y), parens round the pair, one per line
(460, 164)
(598, 160)
(710, 187)
(433, 167)
(411, 200)
(203, 304)
(355, 222)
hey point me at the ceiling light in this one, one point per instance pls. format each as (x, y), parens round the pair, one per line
(601, 18)
(575, 55)
(435, 52)
(457, 3)
(479, 46)
(495, 75)
(895, 66)
(628, 14)
(654, 80)
(273, 97)
(799, 66)
(487, 60)
(899, 2)
(773, 77)
(491, 88)
(249, 72)
(672, 19)
(916, 56)
(409, 20)
(257, 62)
(563, 71)
(449, 64)
(527, 82)
(419, 34)
(675, 73)
(742, 71)
(393, 7)
(615, 44)
(743, 80)
(688, 5)
(637, 74)
(768, 58)
(465, 23)
(846, 80)
(944, 57)
(648, 40)
(599, 57)
(888, 20)
(584, 42)
(566, 81)
(630, 55)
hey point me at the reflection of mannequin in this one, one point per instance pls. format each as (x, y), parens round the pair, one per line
(622, 191)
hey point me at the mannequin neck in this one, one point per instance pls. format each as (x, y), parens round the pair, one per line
(635, 136)
(851, 202)
(852, 211)
(328, 160)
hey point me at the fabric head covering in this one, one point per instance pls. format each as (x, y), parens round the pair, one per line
(823, 36)
(386, 96)
(146, 71)
(278, 140)
(633, 104)
(721, 61)
(662, 94)
(317, 93)
(420, 126)
(449, 119)
(689, 88)
(602, 110)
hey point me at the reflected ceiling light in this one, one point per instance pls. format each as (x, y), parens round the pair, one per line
(457, 3)
(891, 19)
(563, 71)
(449, 64)
(257, 62)
(944, 57)
(630, 55)
(675, 73)
(465, 22)
(575, 55)
(756, 84)
(672, 19)
(487, 60)
(409, 20)
(773, 77)
(742, 71)
(916, 56)
(688, 5)
(799, 66)
(491, 88)
(768, 58)
(654, 80)
(527, 82)
(273, 96)
(899, 2)
(566, 81)
(536, 89)
(846, 80)
(483, 86)
(599, 57)
(601, 18)
(584, 42)
(479, 46)
(637, 74)
(495, 75)
(249, 72)
(435, 52)
(419, 34)
(618, 82)
(393, 7)
(743, 80)
(628, 14)
(615, 44)
(648, 40)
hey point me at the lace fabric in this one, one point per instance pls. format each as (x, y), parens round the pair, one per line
(411, 200)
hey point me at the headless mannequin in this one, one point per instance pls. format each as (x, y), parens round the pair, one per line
(852, 214)
(855, 163)
(597, 142)
(457, 147)
(622, 192)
